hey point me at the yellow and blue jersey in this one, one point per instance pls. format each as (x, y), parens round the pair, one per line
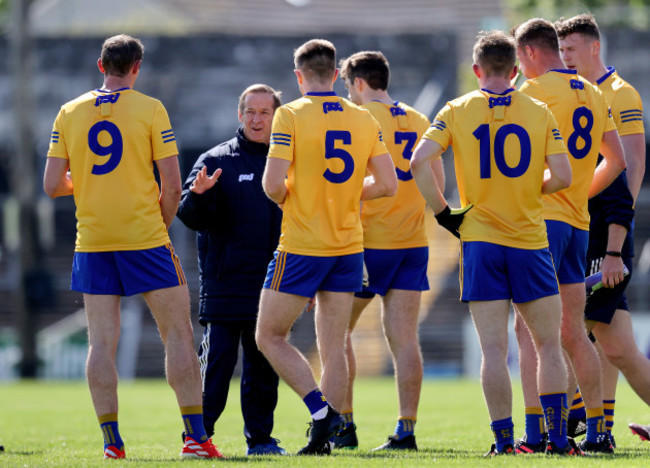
(111, 141)
(329, 141)
(500, 144)
(397, 222)
(625, 102)
(583, 115)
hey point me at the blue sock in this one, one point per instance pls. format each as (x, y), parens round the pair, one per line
(577, 410)
(608, 406)
(193, 421)
(503, 430)
(404, 428)
(349, 420)
(316, 402)
(556, 412)
(596, 427)
(534, 425)
(108, 425)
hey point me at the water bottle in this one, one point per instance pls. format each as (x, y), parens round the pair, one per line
(595, 282)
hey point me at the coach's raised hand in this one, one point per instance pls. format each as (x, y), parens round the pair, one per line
(203, 181)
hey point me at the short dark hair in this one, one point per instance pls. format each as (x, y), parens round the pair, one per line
(260, 88)
(119, 54)
(369, 65)
(495, 52)
(536, 32)
(316, 59)
(581, 24)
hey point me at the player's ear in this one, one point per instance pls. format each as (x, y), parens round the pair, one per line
(595, 48)
(299, 76)
(136, 67)
(336, 74)
(530, 51)
(477, 70)
(514, 72)
(100, 66)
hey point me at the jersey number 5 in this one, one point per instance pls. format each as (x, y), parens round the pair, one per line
(113, 150)
(482, 134)
(331, 151)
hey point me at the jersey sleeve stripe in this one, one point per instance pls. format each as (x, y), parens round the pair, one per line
(632, 119)
(632, 111)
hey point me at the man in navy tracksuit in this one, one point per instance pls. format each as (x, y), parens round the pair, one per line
(238, 231)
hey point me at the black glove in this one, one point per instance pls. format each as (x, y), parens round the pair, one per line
(452, 219)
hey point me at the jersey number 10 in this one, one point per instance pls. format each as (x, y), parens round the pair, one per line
(482, 134)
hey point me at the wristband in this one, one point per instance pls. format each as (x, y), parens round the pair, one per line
(613, 253)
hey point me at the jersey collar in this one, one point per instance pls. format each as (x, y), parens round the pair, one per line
(321, 93)
(111, 92)
(610, 71)
(507, 91)
(564, 70)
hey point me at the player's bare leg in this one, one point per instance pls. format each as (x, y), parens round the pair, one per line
(528, 363)
(617, 341)
(400, 313)
(543, 319)
(491, 322)
(575, 341)
(170, 308)
(278, 312)
(332, 316)
(358, 306)
(609, 374)
(103, 313)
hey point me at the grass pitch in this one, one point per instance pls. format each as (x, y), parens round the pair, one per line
(52, 424)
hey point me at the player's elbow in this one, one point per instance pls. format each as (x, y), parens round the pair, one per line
(51, 187)
(390, 187)
(564, 180)
(174, 192)
(50, 190)
(275, 190)
(417, 165)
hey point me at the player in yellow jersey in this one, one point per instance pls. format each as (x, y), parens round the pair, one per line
(321, 147)
(611, 244)
(502, 142)
(103, 149)
(395, 246)
(586, 125)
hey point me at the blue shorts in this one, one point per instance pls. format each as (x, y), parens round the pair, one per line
(568, 246)
(126, 272)
(303, 275)
(492, 272)
(395, 269)
(604, 302)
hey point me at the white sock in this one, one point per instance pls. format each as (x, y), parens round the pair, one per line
(320, 414)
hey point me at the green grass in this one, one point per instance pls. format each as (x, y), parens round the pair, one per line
(52, 424)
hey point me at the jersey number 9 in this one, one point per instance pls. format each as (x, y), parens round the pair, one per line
(113, 150)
